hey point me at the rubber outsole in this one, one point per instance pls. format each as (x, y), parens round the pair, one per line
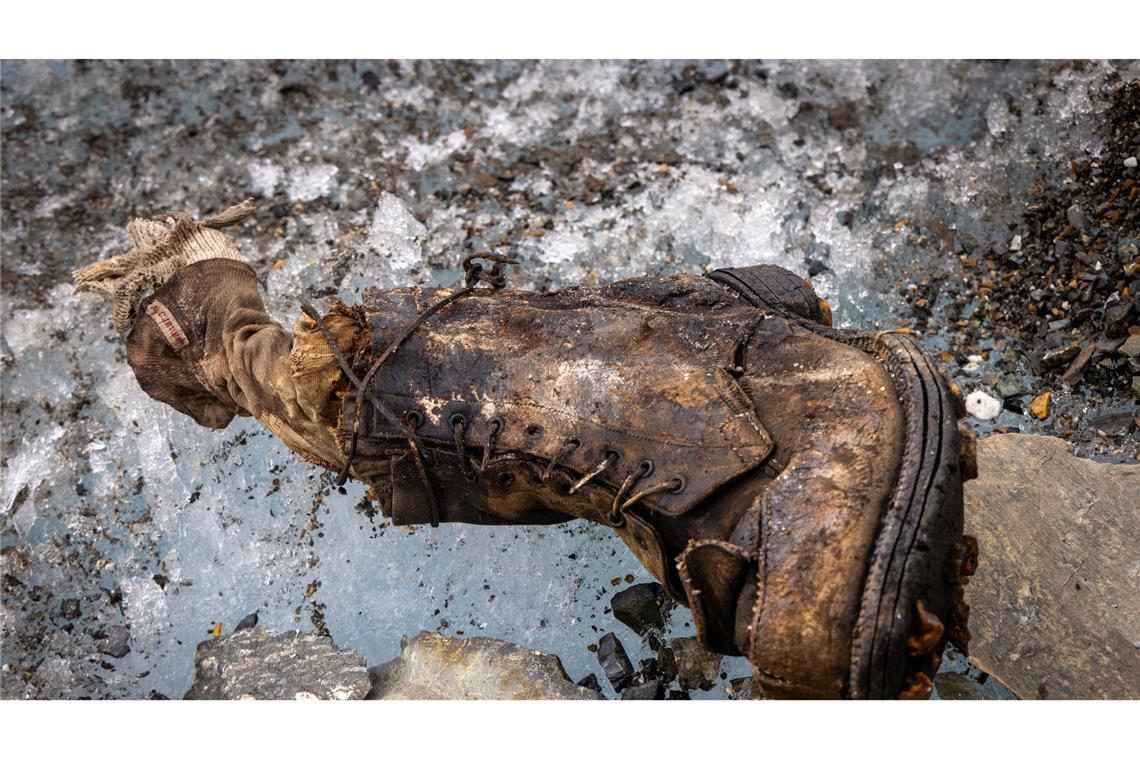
(908, 589)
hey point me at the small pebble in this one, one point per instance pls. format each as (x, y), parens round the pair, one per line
(1015, 244)
(614, 661)
(973, 361)
(1076, 216)
(1008, 386)
(117, 643)
(982, 405)
(1059, 356)
(247, 622)
(590, 681)
(1130, 162)
(1040, 405)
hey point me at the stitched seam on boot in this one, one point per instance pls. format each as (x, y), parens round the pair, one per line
(762, 593)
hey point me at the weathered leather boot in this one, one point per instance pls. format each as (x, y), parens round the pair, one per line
(799, 487)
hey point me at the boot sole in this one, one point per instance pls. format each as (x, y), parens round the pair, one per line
(908, 594)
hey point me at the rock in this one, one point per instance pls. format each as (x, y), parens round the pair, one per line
(590, 681)
(1015, 244)
(1039, 407)
(247, 622)
(651, 689)
(1130, 347)
(1077, 368)
(1053, 609)
(1009, 386)
(1059, 357)
(1116, 422)
(747, 687)
(667, 663)
(257, 664)
(69, 608)
(982, 405)
(697, 667)
(957, 686)
(642, 607)
(1076, 216)
(117, 643)
(1130, 162)
(1061, 324)
(739, 688)
(614, 662)
(1117, 317)
(431, 666)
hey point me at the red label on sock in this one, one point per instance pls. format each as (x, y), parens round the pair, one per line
(167, 325)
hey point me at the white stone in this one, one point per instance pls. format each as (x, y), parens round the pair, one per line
(982, 405)
(1130, 162)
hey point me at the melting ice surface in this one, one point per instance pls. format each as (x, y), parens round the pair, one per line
(154, 523)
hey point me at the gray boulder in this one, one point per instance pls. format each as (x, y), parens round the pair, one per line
(431, 666)
(256, 664)
(1055, 603)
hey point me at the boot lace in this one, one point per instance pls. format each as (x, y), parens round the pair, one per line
(474, 273)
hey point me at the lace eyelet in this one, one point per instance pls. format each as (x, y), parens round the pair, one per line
(534, 431)
(496, 424)
(456, 420)
(505, 478)
(414, 419)
(681, 484)
(647, 467)
(611, 454)
(616, 520)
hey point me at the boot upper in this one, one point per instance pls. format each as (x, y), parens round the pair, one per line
(594, 380)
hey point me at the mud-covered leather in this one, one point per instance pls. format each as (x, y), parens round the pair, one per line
(713, 574)
(619, 369)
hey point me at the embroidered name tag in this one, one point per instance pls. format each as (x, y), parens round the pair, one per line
(167, 324)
